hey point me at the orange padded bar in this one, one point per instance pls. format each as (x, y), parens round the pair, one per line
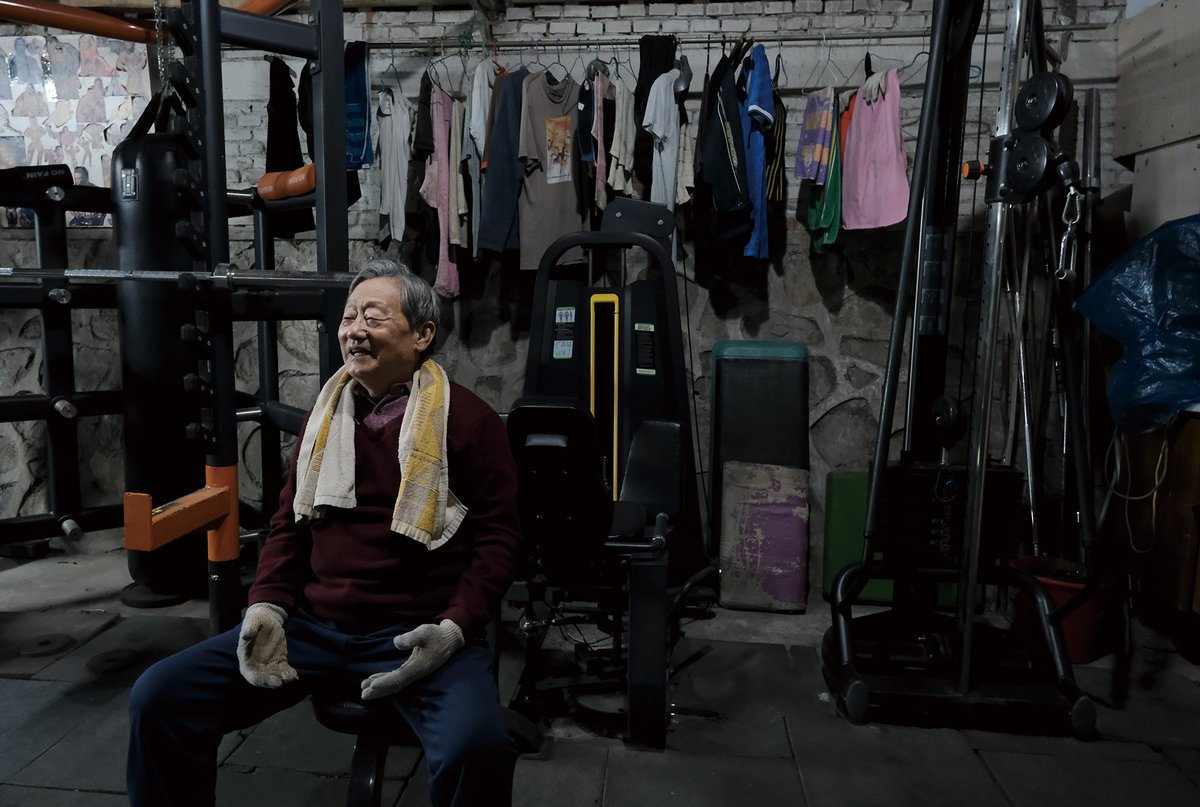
(264, 6)
(224, 536)
(80, 20)
(286, 184)
(212, 508)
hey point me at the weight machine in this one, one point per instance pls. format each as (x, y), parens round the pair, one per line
(930, 521)
(607, 494)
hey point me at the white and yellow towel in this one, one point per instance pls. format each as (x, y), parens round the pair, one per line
(426, 509)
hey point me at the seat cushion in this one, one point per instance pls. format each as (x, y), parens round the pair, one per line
(342, 712)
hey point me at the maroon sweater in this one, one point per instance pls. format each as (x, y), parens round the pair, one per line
(349, 566)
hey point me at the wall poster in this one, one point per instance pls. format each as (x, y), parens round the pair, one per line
(68, 99)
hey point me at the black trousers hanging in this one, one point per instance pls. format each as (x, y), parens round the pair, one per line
(283, 148)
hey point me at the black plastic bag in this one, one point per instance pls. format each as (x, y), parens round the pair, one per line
(1149, 301)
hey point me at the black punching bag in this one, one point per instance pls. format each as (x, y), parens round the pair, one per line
(159, 458)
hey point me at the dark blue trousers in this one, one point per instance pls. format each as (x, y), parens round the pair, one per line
(181, 707)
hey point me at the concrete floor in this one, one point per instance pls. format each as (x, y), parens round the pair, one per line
(753, 724)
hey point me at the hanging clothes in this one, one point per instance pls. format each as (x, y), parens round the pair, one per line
(358, 106)
(587, 115)
(656, 54)
(661, 120)
(776, 146)
(844, 120)
(816, 131)
(758, 116)
(482, 81)
(549, 198)
(723, 202)
(824, 216)
(394, 124)
(620, 171)
(304, 110)
(874, 167)
(458, 192)
(283, 147)
(602, 92)
(497, 88)
(472, 179)
(436, 190)
(499, 228)
(685, 178)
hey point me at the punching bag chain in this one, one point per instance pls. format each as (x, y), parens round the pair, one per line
(160, 42)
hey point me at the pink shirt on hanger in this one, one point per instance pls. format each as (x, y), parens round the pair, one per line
(874, 166)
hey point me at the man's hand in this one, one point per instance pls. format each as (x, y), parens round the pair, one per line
(431, 646)
(262, 647)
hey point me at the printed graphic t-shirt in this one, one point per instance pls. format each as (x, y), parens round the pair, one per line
(549, 203)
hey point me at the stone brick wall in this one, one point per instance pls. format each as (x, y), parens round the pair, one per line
(838, 304)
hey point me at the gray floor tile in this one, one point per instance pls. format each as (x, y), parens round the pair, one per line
(844, 765)
(1187, 760)
(294, 739)
(1163, 710)
(729, 697)
(25, 635)
(751, 734)
(637, 778)
(1059, 746)
(571, 776)
(742, 677)
(91, 756)
(37, 714)
(12, 796)
(120, 654)
(1068, 781)
(240, 787)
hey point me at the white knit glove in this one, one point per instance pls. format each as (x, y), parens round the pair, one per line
(431, 646)
(262, 647)
(873, 87)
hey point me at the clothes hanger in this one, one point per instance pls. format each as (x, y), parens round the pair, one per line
(558, 62)
(816, 71)
(391, 68)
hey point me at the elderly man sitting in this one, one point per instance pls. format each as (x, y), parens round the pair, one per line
(395, 539)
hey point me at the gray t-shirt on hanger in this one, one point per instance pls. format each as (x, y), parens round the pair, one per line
(549, 203)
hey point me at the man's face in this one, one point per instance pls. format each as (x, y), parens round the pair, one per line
(379, 345)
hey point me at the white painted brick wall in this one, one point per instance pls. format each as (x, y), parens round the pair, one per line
(1091, 56)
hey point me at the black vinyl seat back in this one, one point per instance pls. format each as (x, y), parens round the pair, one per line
(654, 468)
(565, 503)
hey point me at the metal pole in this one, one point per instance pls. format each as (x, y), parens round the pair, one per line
(985, 354)
(329, 141)
(887, 406)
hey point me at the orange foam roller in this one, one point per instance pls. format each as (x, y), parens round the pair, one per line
(265, 7)
(80, 20)
(286, 184)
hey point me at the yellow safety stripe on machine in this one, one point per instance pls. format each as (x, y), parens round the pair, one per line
(615, 302)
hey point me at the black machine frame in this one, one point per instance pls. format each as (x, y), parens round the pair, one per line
(915, 659)
(219, 293)
(652, 548)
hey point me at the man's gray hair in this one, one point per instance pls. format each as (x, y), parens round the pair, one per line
(418, 300)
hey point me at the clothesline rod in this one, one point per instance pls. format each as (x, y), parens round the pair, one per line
(592, 43)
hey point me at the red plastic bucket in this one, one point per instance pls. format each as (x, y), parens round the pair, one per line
(1063, 579)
